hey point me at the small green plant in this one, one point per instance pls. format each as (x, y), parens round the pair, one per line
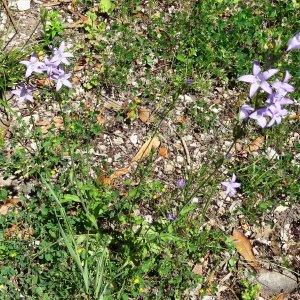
(52, 25)
(93, 26)
(251, 291)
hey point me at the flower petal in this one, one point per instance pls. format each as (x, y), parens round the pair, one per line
(253, 89)
(266, 87)
(256, 68)
(269, 73)
(247, 78)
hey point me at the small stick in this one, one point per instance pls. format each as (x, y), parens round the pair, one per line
(9, 15)
(186, 150)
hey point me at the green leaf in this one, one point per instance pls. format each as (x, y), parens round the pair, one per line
(105, 5)
(70, 198)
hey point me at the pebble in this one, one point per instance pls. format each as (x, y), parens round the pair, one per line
(133, 139)
(180, 159)
(118, 141)
(21, 5)
(168, 168)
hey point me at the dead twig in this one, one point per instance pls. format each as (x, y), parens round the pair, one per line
(186, 151)
(9, 15)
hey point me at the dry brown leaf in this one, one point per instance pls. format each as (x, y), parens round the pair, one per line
(114, 105)
(244, 248)
(7, 205)
(11, 231)
(105, 180)
(101, 119)
(119, 172)
(256, 144)
(281, 296)
(198, 269)
(58, 122)
(145, 115)
(152, 143)
(163, 151)
(181, 119)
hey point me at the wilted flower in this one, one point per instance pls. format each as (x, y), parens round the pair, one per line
(181, 183)
(276, 113)
(245, 111)
(33, 65)
(231, 186)
(60, 56)
(258, 79)
(23, 92)
(294, 42)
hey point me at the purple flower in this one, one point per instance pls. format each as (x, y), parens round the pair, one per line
(50, 68)
(181, 183)
(33, 65)
(258, 79)
(189, 81)
(61, 79)
(282, 87)
(259, 117)
(279, 99)
(23, 92)
(231, 186)
(171, 217)
(276, 113)
(60, 56)
(245, 111)
(294, 42)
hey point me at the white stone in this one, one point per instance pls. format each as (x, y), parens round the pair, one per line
(118, 141)
(23, 5)
(180, 159)
(168, 168)
(272, 154)
(133, 139)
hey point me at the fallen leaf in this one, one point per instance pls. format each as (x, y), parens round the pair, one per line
(11, 231)
(274, 283)
(145, 150)
(281, 296)
(256, 144)
(244, 248)
(7, 205)
(58, 122)
(119, 172)
(105, 180)
(181, 119)
(163, 151)
(198, 269)
(145, 115)
(114, 105)
(44, 82)
(100, 119)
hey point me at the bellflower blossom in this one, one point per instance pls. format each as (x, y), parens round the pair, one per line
(50, 68)
(60, 56)
(260, 116)
(33, 65)
(231, 186)
(23, 92)
(258, 79)
(181, 183)
(61, 78)
(294, 42)
(276, 113)
(245, 111)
